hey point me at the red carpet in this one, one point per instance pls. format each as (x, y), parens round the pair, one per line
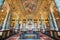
(15, 37)
(42, 37)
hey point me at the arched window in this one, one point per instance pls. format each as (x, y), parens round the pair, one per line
(57, 2)
(1, 3)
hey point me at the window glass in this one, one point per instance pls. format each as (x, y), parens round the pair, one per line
(1, 2)
(57, 2)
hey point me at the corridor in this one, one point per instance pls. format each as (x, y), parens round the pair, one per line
(29, 19)
(39, 37)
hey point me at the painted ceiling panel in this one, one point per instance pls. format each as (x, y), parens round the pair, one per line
(29, 5)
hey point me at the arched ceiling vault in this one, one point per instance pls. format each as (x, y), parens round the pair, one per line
(42, 9)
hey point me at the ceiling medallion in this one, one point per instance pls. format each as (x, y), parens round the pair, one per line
(29, 5)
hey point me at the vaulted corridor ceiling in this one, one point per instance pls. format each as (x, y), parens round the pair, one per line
(24, 9)
(28, 9)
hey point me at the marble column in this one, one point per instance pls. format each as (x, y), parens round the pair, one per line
(54, 20)
(50, 22)
(4, 23)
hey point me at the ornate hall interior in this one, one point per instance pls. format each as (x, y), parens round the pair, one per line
(29, 19)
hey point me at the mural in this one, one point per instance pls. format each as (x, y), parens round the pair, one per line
(29, 5)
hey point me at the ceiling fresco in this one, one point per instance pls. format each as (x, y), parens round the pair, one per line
(34, 8)
(29, 5)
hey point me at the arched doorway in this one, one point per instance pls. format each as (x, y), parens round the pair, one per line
(30, 24)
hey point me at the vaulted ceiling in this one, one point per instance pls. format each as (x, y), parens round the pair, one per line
(41, 8)
(25, 9)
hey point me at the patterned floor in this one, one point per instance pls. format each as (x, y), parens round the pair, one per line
(15, 37)
(29, 35)
(42, 37)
